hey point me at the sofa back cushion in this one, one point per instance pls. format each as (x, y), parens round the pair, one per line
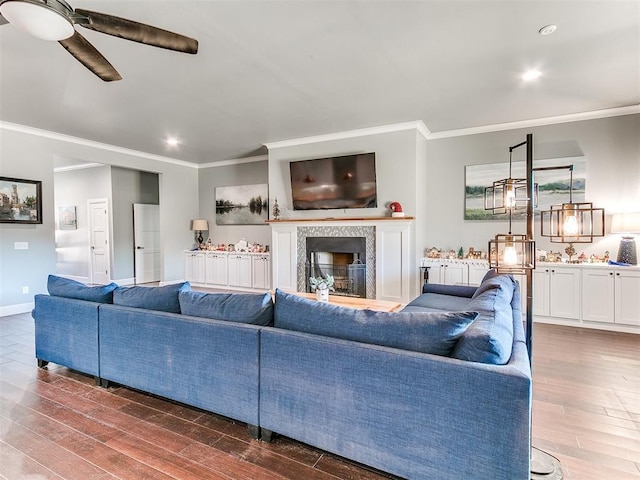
(490, 338)
(164, 299)
(427, 332)
(254, 308)
(65, 287)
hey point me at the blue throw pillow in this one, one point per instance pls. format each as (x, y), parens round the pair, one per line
(490, 338)
(254, 308)
(164, 299)
(65, 287)
(427, 332)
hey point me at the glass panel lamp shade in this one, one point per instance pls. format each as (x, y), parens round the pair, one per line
(626, 224)
(513, 254)
(41, 21)
(572, 223)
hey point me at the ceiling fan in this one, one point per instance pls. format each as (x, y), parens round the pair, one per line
(54, 20)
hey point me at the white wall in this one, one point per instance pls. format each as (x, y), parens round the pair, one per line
(229, 175)
(74, 188)
(395, 170)
(28, 153)
(611, 147)
(128, 187)
(400, 156)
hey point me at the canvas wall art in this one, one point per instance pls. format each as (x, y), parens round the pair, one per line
(553, 185)
(242, 205)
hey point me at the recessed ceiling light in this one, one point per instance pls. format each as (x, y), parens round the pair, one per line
(531, 75)
(172, 141)
(547, 29)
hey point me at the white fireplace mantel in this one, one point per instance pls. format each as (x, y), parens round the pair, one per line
(392, 252)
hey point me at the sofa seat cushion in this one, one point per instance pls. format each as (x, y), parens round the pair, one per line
(437, 301)
(490, 338)
(426, 332)
(253, 308)
(65, 287)
(164, 299)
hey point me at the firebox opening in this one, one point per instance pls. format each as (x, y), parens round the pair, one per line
(342, 257)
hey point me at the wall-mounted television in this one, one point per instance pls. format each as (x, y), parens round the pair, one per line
(348, 181)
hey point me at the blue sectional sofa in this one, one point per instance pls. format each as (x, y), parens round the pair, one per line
(439, 390)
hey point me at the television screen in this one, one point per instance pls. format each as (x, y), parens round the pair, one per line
(336, 182)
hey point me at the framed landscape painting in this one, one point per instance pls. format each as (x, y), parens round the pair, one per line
(20, 200)
(242, 205)
(553, 185)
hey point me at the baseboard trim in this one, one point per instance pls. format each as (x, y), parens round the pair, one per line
(16, 309)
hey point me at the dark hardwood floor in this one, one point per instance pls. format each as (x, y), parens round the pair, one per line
(56, 424)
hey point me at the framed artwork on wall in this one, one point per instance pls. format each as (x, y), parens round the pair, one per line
(553, 186)
(20, 200)
(67, 219)
(242, 205)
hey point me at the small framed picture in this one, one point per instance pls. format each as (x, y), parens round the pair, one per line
(67, 219)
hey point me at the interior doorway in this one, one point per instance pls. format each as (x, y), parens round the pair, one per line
(146, 233)
(99, 241)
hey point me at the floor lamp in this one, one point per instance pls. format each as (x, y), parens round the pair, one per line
(518, 257)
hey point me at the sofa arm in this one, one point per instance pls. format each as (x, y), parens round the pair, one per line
(66, 333)
(454, 290)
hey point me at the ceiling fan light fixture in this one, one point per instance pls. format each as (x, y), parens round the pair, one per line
(37, 19)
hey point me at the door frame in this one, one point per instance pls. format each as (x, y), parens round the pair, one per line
(91, 202)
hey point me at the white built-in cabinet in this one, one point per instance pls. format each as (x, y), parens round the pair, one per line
(239, 270)
(455, 272)
(228, 270)
(194, 267)
(216, 268)
(611, 296)
(588, 295)
(556, 292)
(261, 270)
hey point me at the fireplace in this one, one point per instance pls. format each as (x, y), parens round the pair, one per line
(346, 252)
(342, 257)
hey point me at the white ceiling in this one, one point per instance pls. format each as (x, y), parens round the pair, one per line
(275, 70)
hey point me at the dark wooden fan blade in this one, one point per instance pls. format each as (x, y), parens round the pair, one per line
(85, 53)
(138, 32)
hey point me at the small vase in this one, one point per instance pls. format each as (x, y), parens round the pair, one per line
(322, 294)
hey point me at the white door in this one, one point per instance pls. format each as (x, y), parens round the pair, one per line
(99, 241)
(146, 237)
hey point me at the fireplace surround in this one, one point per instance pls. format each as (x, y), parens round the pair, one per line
(392, 272)
(313, 233)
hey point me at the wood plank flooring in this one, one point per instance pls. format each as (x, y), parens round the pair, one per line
(56, 424)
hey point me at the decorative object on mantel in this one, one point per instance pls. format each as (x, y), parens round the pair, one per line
(626, 224)
(396, 209)
(276, 210)
(199, 226)
(433, 252)
(322, 285)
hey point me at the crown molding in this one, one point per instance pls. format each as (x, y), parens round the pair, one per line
(417, 125)
(537, 122)
(234, 161)
(90, 143)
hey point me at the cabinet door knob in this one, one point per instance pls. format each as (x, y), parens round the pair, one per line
(618, 274)
(611, 273)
